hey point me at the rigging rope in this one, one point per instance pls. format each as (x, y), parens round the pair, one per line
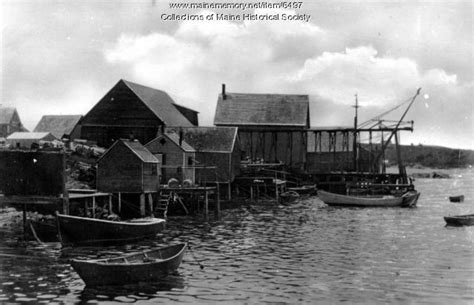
(378, 117)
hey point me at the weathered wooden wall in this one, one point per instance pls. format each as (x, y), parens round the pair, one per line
(32, 173)
(120, 170)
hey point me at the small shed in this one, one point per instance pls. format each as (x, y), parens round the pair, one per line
(128, 167)
(10, 122)
(201, 154)
(27, 140)
(60, 126)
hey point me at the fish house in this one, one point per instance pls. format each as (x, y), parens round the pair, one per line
(133, 111)
(10, 122)
(271, 127)
(27, 140)
(60, 126)
(200, 154)
(128, 167)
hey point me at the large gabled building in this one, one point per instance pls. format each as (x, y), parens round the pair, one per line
(271, 127)
(133, 111)
(10, 122)
(60, 126)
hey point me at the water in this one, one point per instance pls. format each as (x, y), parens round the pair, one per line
(263, 253)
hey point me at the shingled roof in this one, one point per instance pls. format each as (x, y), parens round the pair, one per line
(208, 139)
(161, 104)
(58, 125)
(262, 109)
(137, 148)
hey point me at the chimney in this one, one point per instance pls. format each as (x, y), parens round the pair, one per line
(223, 92)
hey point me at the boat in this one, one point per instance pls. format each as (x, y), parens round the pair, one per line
(289, 196)
(459, 198)
(460, 220)
(147, 266)
(409, 199)
(77, 230)
(304, 190)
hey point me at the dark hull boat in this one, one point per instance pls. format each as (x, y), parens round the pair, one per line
(408, 199)
(460, 220)
(146, 266)
(304, 190)
(459, 198)
(90, 231)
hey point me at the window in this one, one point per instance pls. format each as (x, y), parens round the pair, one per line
(190, 161)
(154, 169)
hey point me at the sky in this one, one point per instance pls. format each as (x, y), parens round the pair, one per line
(62, 57)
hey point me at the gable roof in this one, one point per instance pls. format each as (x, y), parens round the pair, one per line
(58, 125)
(28, 135)
(161, 104)
(208, 139)
(137, 148)
(6, 114)
(262, 109)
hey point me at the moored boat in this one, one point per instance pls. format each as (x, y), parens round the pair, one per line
(304, 190)
(409, 199)
(460, 220)
(146, 266)
(289, 196)
(459, 198)
(77, 230)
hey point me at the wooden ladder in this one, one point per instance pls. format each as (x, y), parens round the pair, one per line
(163, 203)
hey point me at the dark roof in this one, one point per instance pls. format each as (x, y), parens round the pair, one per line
(208, 139)
(58, 125)
(161, 104)
(6, 114)
(137, 148)
(262, 109)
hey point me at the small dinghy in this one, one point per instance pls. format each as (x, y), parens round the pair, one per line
(146, 266)
(459, 198)
(460, 220)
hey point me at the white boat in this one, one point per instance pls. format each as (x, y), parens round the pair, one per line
(408, 199)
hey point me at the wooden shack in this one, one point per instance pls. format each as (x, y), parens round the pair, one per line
(60, 126)
(202, 154)
(10, 122)
(271, 127)
(128, 167)
(133, 111)
(27, 140)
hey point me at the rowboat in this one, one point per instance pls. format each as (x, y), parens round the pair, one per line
(460, 220)
(459, 198)
(408, 199)
(77, 230)
(304, 190)
(146, 266)
(288, 197)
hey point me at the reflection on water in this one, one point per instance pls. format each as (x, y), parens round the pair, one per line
(265, 253)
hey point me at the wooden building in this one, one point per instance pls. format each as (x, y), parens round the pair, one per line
(272, 127)
(200, 154)
(27, 140)
(128, 167)
(133, 111)
(10, 122)
(60, 126)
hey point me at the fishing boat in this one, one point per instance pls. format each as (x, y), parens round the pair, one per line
(77, 230)
(304, 190)
(147, 266)
(289, 196)
(460, 220)
(408, 199)
(459, 198)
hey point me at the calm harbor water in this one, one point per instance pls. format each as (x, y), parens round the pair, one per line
(265, 253)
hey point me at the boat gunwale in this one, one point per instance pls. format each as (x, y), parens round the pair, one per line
(126, 223)
(101, 261)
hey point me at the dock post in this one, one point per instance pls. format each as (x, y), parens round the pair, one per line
(150, 203)
(93, 206)
(218, 203)
(206, 205)
(229, 191)
(24, 221)
(142, 204)
(277, 191)
(110, 204)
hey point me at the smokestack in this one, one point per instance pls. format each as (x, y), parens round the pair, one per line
(223, 92)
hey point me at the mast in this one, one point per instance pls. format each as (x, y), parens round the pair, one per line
(354, 144)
